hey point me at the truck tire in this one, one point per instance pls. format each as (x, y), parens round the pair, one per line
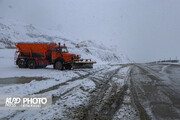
(58, 65)
(31, 64)
(21, 63)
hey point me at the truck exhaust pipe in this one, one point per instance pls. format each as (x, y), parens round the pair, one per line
(60, 50)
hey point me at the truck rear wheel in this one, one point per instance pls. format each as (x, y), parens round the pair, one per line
(58, 65)
(31, 64)
(21, 63)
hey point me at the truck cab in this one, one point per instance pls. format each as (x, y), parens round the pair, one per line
(60, 53)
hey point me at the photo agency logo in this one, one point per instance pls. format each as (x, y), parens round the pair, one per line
(12, 101)
(25, 102)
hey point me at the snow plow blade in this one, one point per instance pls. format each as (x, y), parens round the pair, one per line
(82, 63)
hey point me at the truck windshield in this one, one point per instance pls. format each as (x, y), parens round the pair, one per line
(64, 50)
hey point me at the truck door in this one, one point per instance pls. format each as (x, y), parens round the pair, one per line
(55, 54)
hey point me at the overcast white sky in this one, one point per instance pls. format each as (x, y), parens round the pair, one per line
(145, 30)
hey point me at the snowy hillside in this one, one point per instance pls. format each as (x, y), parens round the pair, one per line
(12, 31)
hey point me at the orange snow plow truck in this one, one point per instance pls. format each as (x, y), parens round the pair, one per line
(33, 55)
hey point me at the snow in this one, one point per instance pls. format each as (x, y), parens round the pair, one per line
(51, 78)
(28, 88)
(73, 90)
(126, 110)
(69, 97)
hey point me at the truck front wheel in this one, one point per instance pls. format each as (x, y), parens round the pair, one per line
(58, 65)
(31, 64)
(21, 63)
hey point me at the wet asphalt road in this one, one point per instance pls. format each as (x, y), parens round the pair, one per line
(156, 91)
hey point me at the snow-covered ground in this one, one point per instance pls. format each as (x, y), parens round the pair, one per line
(111, 90)
(10, 70)
(71, 89)
(108, 91)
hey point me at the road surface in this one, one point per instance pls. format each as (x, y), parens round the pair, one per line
(117, 92)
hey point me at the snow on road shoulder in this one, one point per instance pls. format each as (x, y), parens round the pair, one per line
(28, 88)
(77, 94)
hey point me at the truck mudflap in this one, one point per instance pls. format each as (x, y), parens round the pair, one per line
(82, 63)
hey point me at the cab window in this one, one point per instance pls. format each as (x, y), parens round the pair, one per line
(64, 50)
(55, 50)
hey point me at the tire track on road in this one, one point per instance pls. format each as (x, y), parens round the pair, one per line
(106, 100)
(66, 82)
(54, 98)
(141, 111)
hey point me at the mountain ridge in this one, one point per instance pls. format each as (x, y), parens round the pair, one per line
(12, 31)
